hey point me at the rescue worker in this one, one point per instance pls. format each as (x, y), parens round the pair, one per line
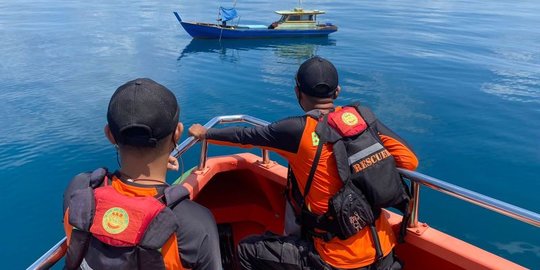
(295, 139)
(131, 218)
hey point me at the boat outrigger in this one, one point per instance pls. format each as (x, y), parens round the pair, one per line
(245, 194)
(293, 23)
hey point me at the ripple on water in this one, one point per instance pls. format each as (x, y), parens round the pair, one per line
(517, 77)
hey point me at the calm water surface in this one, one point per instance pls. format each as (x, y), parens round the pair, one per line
(460, 80)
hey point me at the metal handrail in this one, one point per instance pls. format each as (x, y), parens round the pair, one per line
(464, 194)
(416, 179)
(240, 118)
(50, 257)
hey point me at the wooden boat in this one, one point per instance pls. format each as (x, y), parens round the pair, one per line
(245, 192)
(293, 23)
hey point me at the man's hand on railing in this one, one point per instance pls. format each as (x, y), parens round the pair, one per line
(172, 164)
(197, 131)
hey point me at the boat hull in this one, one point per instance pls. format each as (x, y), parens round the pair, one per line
(215, 31)
(202, 31)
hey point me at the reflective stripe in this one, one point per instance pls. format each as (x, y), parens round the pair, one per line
(364, 153)
(85, 266)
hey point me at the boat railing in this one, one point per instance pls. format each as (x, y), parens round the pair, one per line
(51, 257)
(416, 179)
(242, 118)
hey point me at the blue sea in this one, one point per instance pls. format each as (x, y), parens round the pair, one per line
(459, 80)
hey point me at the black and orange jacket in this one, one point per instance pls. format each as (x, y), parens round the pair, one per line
(196, 241)
(293, 138)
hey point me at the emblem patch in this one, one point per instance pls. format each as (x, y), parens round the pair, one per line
(115, 220)
(314, 138)
(349, 119)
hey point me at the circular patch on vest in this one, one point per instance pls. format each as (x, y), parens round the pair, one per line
(349, 119)
(115, 220)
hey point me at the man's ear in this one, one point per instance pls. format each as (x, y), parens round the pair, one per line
(297, 92)
(178, 131)
(336, 94)
(109, 134)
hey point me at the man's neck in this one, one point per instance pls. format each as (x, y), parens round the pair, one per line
(139, 169)
(323, 108)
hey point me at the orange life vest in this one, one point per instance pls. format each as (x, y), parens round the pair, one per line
(113, 231)
(366, 188)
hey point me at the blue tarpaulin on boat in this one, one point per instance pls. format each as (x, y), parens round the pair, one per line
(227, 14)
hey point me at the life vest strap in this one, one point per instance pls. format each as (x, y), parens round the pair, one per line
(97, 177)
(78, 246)
(160, 229)
(175, 194)
(318, 225)
(315, 163)
(82, 207)
(378, 250)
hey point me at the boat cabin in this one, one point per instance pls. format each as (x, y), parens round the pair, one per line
(297, 18)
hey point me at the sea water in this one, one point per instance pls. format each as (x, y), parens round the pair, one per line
(459, 80)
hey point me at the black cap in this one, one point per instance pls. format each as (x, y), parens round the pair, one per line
(142, 112)
(317, 77)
